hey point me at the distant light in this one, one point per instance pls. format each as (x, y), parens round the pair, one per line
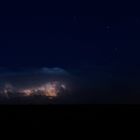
(63, 86)
(50, 90)
(27, 92)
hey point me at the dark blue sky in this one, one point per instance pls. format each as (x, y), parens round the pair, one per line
(100, 44)
(69, 41)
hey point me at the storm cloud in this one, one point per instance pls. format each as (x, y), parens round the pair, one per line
(19, 79)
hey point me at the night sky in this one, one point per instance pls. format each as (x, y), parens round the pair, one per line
(102, 52)
(69, 41)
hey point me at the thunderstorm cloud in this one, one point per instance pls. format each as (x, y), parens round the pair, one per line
(24, 79)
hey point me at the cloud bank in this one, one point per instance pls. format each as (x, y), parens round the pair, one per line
(46, 81)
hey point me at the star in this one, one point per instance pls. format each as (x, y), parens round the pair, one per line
(116, 49)
(108, 27)
(75, 19)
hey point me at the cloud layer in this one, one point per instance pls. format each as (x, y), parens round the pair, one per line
(23, 79)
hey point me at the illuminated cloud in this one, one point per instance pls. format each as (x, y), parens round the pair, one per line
(54, 71)
(44, 81)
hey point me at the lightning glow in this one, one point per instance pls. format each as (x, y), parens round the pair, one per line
(49, 89)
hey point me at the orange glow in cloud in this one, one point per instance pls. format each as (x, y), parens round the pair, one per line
(50, 89)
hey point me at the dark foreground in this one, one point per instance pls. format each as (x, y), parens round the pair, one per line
(83, 105)
(95, 97)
